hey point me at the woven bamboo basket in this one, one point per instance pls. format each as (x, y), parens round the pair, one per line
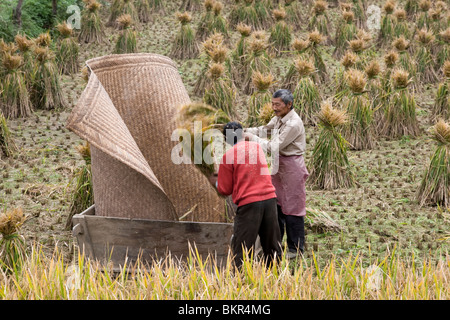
(126, 113)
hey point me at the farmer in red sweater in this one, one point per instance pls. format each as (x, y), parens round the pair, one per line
(244, 174)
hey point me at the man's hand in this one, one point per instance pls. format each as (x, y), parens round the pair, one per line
(248, 136)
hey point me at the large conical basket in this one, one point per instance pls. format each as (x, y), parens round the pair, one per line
(127, 113)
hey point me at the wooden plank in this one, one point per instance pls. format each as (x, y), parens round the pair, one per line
(120, 238)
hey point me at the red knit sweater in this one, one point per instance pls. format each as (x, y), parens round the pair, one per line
(244, 174)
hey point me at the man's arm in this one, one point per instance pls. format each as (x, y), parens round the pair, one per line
(279, 140)
(262, 130)
(225, 179)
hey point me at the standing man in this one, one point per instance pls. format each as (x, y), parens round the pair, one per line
(244, 174)
(287, 147)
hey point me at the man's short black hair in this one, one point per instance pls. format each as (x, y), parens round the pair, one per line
(232, 132)
(285, 95)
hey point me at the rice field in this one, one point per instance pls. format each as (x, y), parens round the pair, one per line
(380, 221)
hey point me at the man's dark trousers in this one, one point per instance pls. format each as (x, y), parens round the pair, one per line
(251, 220)
(295, 230)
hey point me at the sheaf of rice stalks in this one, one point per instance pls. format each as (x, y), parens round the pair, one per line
(124, 21)
(316, 37)
(356, 80)
(244, 29)
(261, 81)
(441, 132)
(445, 35)
(304, 67)
(212, 42)
(373, 69)
(400, 78)
(357, 45)
(216, 70)
(400, 15)
(390, 58)
(279, 14)
(11, 221)
(389, 7)
(23, 43)
(300, 44)
(425, 5)
(320, 7)
(11, 62)
(446, 68)
(65, 29)
(400, 43)
(183, 17)
(425, 37)
(345, 6)
(348, 16)
(43, 40)
(217, 8)
(330, 116)
(349, 59)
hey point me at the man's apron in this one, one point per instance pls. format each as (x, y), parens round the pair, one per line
(289, 182)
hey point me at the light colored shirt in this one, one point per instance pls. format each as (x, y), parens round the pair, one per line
(290, 138)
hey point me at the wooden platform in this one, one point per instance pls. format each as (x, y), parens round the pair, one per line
(109, 239)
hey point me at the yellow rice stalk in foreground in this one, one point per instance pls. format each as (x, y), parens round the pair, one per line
(203, 278)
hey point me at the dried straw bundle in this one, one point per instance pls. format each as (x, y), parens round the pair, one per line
(185, 46)
(92, 28)
(359, 9)
(144, 11)
(280, 34)
(219, 23)
(329, 167)
(266, 114)
(7, 145)
(423, 21)
(12, 244)
(210, 118)
(442, 49)
(401, 27)
(348, 61)
(405, 61)
(359, 133)
(67, 50)
(190, 5)
(387, 23)
(435, 186)
(441, 106)
(423, 57)
(220, 92)
(120, 8)
(83, 194)
(300, 48)
(306, 93)
(14, 98)
(345, 31)
(261, 96)
(319, 19)
(435, 23)
(240, 49)
(257, 60)
(204, 25)
(316, 39)
(247, 12)
(46, 89)
(126, 41)
(400, 115)
(158, 6)
(213, 50)
(375, 91)
(293, 10)
(411, 8)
